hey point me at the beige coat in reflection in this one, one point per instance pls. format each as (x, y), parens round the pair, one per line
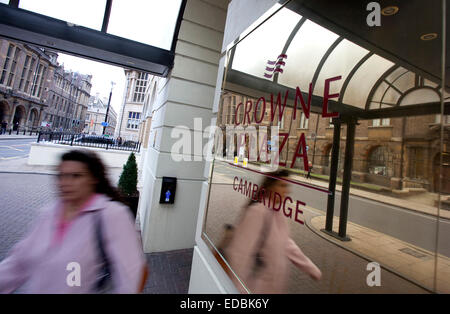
(278, 249)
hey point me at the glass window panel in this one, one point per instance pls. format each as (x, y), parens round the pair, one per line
(391, 97)
(301, 63)
(396, 177)
(340, 62)
(152, 23)
(405, 82)
(420, 96)
(394, 75)
(272, 35)
(430, 83)
(378, 95)
(85, 13)
(356, 93)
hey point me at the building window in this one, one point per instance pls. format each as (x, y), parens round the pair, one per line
(381, 122)
(26, 67)
(446, 119)
(304, 122)
(139, 90)
(38, 80)
(9, 68)
(29, 75)
(133, 120)
(379, 161)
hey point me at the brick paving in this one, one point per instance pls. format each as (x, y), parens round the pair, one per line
(21, 197)
(23, 194)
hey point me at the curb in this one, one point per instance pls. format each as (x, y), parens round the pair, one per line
(17, 138)
(18, 172)
(313, 229)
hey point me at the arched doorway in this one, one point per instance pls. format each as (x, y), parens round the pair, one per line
(4, 111)
(19, 116)
(33, 120)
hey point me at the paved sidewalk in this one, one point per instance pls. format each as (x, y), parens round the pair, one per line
(404, 259)
(20, 165)
(17, 137)
(22, 194)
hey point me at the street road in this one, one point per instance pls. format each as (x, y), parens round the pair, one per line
(406, 225)
(12, 149)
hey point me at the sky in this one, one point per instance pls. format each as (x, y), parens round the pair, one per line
(102, 75)
(148, 21)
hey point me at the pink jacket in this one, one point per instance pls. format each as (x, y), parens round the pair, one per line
(41, 264)
(278, 249)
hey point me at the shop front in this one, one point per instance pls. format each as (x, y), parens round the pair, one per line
(330, 134)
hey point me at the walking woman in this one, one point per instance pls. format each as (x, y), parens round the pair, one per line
(261, 248)
(82, 243)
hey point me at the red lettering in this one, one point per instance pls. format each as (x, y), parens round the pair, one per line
(263, 111)
(284, 207)
(247, 188)
(234, 181)
(247, 111)
(262, 196)
(305, 109)
(275, 200)
(304, 154)
(270, 194)
(240, 186)
(255, 191)
(280, 110)
(299, 211)
(327, 96)
(236, 115)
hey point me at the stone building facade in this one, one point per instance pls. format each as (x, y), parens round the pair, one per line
(25, 81)
(394, 154)
(131, 112)
(36, 92)
(68, 100)
(96, 115)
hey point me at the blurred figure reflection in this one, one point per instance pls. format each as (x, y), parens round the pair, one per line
(86, 242)
(261, 248)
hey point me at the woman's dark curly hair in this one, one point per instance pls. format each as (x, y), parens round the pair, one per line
(97, 170)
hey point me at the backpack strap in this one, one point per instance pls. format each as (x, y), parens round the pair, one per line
(105, 273)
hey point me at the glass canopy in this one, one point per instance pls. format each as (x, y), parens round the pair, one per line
(135, 22)
(298, 51)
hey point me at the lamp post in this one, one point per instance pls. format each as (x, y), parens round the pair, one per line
(107, 109)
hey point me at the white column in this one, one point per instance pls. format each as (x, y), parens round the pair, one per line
(187, 93)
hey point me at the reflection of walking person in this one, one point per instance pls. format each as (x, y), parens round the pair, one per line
(82, 237)
(261, 248)
(310, 166)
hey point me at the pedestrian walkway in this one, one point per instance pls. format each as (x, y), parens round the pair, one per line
(22, 194)
(404, 259)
